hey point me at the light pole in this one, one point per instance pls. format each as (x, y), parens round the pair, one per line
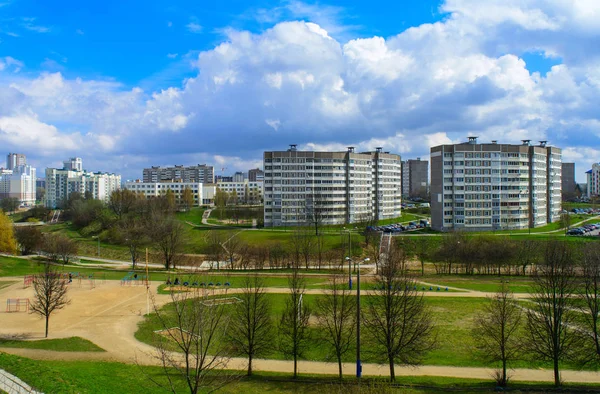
(98, 238)
(349, 258)
(358, 362)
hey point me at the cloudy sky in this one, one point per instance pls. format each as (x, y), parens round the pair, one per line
(128, 84)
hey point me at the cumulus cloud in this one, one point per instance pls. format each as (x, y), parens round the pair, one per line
(298, 82)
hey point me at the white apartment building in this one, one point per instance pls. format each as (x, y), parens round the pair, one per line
(19, 183)
(332, 187)
(494, 186)
(203, 194)
(247, 192)
(60, 183)
(593, 180)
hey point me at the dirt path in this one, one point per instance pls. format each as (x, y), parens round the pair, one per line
(108, 315)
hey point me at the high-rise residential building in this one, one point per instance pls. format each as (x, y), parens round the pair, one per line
(200, 173)
(73, 164)
(415, 177)
(494, 186)
(256, 174)
(332, 187)
(568, 178)
(593, 181)
(19, 183)
(239, 177)
(14, 160)
(60, 183)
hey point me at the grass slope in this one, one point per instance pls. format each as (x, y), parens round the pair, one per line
(73, 344)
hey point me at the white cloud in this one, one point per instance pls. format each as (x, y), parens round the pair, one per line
(193, 27)
(172, 55)
(298, 82)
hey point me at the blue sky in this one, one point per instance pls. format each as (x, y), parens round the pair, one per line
(127, 84)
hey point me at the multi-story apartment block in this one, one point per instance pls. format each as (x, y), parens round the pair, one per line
(333, 187)
(200, 173)
(568, 178)
(415, 177)
(256, 174)
(60, 183)
(593, 181)
(203, 195)
(494, 186)
(14, 160)
(19, 183)
(247, 192)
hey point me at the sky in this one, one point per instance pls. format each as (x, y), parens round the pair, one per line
(129, 84)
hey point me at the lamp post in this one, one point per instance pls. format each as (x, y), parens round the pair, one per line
(349, 258)
(98, 238)
(358, 362)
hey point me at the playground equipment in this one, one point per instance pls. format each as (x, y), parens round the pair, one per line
(17, 305)
(27, 281)
(133, 279)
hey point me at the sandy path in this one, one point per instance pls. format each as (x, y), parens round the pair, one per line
(108, 315)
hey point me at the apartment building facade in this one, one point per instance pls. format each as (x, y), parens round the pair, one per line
(14, 160)
(200, 173)
(338, 187)
(593, 180)
(568, 178)
(491, 186)
(415, 178)
(246, 192)
(203, 194)
(60, 183)
(19, 183)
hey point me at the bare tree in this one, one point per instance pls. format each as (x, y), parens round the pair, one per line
(251, 327)
(590, 305)
(336, 314)
(551, 333)
(29, 239)
(496, 331)
(50, 293)
(399, 324)
(215, 239)
(195, 327)
(134, 233)
(187, 199)
(122, 201)
(293, 326)
(168, 236)
(66, 248)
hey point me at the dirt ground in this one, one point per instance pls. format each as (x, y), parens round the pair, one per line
(108, 316)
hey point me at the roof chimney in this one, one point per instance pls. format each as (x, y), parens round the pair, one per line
(351, 149)
(293, 148)
(543, 143)
(526, 142)
(378, 149)
(472, 140)
(494, 142)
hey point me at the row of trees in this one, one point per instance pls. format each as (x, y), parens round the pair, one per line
(561, 323)
(399, 325)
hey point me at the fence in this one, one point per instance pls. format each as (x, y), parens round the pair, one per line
(13, 385)
(17, 305)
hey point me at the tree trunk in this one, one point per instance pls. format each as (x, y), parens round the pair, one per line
(392, 370)
(503, 383)
(556, 373)
(295, 366)
(47, 320)
(250, 365)
(340, 366)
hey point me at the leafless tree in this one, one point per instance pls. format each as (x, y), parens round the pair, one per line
(215, 239)
(134, 234)
(29, 239)
(551, 331)
(250, 331)
(336, 314)
(122, 201)
(194, 327)
(168, 236)
(496, 331)
(66, 248)
(590, 304)
(400, 325)
(50, 293)
(293, 327)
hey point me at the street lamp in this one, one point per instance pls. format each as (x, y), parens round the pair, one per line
(98, 238)
(358, 362)
(348, 258)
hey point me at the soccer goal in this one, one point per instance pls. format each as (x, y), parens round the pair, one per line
(17, 305)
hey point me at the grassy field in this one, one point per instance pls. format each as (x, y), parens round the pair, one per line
(194, 215)
(60, 377)
(73, 344)
(486, 283)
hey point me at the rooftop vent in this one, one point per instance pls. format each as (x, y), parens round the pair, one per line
(378, 149)
(494, 142)
(293, 148)
(351, 149)
(526, 142)
(543, 143)
(472, 140)
(418, 159)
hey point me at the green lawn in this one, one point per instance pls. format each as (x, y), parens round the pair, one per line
(73, 344)
(60, 377)
(194, 215)
(13, 266)
(486, 283)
